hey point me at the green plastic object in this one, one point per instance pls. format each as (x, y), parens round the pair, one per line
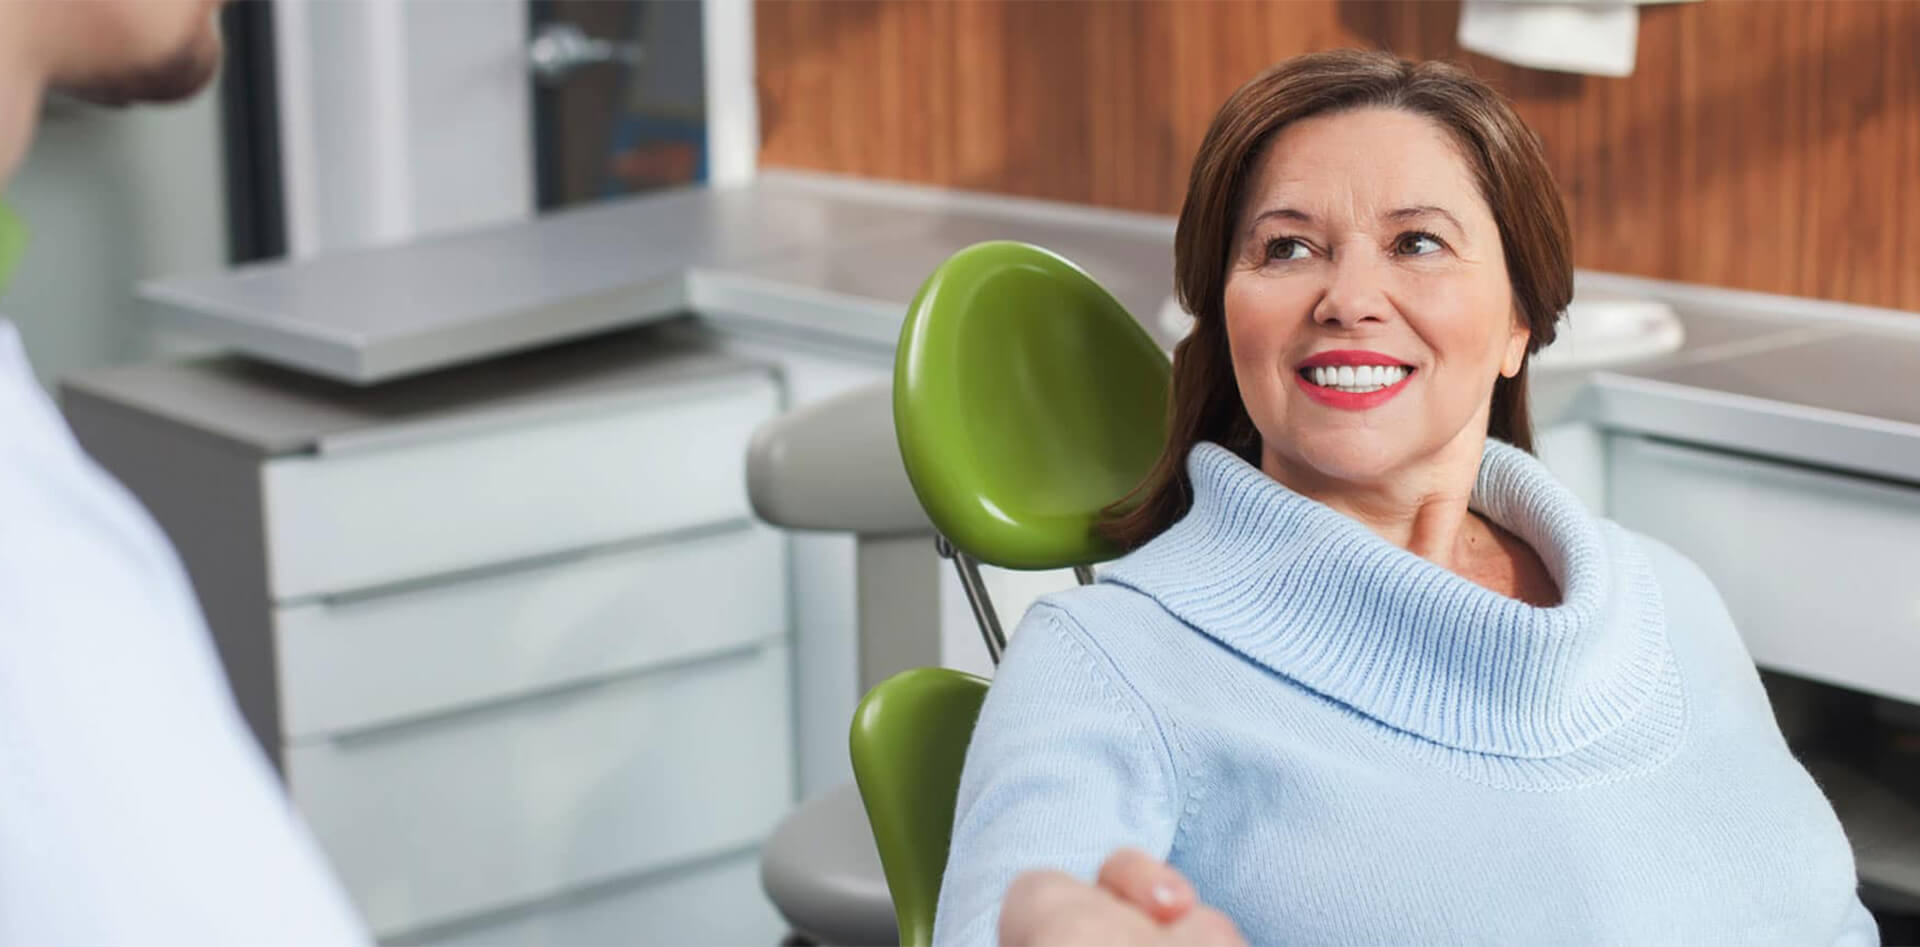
(909, 741)
(1026, 401)
(13, 242)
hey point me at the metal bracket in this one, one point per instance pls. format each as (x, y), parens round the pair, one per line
(977, 597)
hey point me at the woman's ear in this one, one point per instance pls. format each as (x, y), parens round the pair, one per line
(1516, 354)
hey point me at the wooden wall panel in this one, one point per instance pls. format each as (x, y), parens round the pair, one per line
(1763, 145)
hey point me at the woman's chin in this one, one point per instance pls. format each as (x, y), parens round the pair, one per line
(1348, 456)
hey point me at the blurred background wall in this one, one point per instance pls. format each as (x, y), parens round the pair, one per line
(112, 197)
(1772, 146)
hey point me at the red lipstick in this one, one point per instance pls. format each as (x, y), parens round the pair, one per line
(1349, 400)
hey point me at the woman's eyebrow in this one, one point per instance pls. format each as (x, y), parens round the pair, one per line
(1425, 210)
(1283, 213)
(1398, 214)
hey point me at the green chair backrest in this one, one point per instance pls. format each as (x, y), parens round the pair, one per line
(1026, 400)
(909, 740)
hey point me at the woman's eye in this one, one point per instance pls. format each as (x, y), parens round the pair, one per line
(1419, 244)
(1286, 248)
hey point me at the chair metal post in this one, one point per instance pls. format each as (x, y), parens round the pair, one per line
(977, 598)
(1084, 574)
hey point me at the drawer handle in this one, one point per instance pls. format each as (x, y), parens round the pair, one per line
(552, 697)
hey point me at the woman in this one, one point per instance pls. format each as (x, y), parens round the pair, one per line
(1371, 675)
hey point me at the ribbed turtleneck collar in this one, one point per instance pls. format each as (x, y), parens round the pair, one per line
(1318, 597)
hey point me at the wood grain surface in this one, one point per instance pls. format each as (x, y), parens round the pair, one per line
(1761, 144)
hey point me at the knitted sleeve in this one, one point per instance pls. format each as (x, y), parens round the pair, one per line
(1066, 765)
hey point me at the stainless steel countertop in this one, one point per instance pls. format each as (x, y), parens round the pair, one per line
(1815, 382)
(265, 410)
(793, 249)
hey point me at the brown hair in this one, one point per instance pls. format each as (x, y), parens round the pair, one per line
(1507, 163)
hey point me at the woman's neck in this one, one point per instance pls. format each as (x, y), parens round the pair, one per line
(1422, 508)
(1322, 600)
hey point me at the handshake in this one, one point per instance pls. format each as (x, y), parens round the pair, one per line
(1137, 901)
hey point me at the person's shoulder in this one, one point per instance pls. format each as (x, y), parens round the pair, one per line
(1110, 631)
(1112, 618)
(1676, 572)
(1699, 624)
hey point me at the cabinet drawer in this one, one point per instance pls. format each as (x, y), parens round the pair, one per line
(719, 904)
(358, 516)
(349, 664)
(513, 803)
(1818, 569)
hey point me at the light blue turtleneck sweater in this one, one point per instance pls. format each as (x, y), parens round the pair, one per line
(1341, 742)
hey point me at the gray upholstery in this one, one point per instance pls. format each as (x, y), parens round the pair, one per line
(823, 872)
(834, 465)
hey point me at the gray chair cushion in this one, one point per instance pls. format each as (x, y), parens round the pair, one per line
(823, 872)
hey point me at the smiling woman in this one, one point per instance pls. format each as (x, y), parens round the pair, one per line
(1418, 168)
(1370, 673)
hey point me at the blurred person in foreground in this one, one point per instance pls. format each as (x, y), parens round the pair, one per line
(135, 807)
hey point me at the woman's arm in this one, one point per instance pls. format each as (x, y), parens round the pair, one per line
(1066, 765)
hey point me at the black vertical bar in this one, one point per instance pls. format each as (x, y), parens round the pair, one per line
(546, 121)
(250, 126)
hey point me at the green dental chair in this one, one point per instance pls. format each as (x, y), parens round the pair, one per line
(1026, 400)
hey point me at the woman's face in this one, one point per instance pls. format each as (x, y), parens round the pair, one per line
(1367, 301)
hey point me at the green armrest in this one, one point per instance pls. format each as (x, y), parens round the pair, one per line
(909, 741)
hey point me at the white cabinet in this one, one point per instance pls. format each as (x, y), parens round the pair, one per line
(1576, 453)
(699, 907)
(1820, 570)
(511, 804)
(353, 663)
(368, 511)
(522, 656)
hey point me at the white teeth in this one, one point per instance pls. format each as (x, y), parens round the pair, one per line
(1357, 378)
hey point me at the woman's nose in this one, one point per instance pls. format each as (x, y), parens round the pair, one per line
(1356, 294)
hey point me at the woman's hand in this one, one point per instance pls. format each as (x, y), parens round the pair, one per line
(1138, 901)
